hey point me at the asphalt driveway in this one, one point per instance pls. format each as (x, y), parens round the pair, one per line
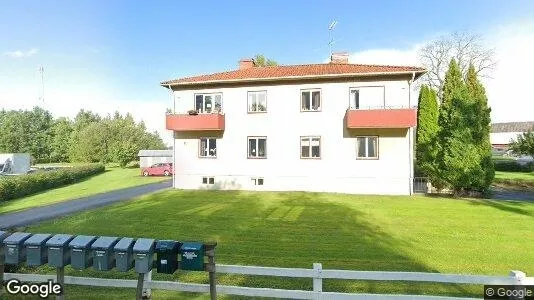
(33, 215)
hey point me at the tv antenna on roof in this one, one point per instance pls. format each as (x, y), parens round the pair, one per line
(330, 34)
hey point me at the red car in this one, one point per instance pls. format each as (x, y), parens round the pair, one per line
(160, 169)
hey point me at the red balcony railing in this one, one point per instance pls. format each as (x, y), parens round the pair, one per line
(382, 117)
(195, 122)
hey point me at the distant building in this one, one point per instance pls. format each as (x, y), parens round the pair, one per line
(502, 133)
(150, 157)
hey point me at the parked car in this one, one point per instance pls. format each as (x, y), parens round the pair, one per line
(160, 169)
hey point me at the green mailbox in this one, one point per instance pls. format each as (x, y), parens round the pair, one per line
(124, 254)
(103, 255)
(167, 256)
(3, 235)
(15, 252)
(192, 255)
(36, 252)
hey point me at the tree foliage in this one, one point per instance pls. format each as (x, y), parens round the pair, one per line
(88, 138)
(465, 48)
(462, 156)
(427, 130)
(261, 61)
(524, 144)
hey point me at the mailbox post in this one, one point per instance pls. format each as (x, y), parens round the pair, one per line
(59, 256)
(143, 251)
(210, 267)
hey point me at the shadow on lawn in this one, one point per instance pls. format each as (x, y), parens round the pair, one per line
(508, 206)
(262, 229)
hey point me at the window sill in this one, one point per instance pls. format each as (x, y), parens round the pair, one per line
(252, 157)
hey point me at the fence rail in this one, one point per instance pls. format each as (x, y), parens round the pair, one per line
(317, 274)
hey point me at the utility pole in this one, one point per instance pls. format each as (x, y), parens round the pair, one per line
(41, 92)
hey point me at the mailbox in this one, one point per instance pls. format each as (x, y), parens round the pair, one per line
(167, 256)
(103, 255)
(58, 250)
(143, 251)
(36, 252)
(124, 255)
(3, 235)
(15, 252)
(81, 255)
(192, 256)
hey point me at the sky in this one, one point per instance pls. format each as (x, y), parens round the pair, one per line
(111, 55)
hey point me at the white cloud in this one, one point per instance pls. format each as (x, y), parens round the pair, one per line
(509, 89)
(21, 54)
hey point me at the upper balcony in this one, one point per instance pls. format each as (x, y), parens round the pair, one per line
(193, 121)
(381, 117)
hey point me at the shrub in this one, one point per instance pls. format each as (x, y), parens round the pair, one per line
(12, 187)
(133, 165)
(512, 166)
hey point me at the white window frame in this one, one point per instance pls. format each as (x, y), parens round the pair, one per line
(203, 109)
(208, 179)
(207, 153)
(310, 151)
(249, 95)
(311, 91)
(257, 138)
(367, 148)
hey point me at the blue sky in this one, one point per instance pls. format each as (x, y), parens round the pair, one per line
(97, 53)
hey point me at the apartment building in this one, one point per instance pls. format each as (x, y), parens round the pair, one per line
(333, 127)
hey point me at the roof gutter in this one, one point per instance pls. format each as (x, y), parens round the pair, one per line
(294, 78)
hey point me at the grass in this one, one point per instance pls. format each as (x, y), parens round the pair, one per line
(389, 233)
(515, 175)
(112, 179)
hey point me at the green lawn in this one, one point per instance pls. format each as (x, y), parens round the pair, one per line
(111, 179)
(390, 233)
(514, 175)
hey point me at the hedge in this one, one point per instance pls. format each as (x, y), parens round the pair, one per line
(512, 166)
(12, 187)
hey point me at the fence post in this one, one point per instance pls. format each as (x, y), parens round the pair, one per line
(518, 277)
(61, 280)
(147, 291)
(2, 274)
(317, 280)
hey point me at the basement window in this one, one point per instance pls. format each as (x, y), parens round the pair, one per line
(257, 181)
(208, 180)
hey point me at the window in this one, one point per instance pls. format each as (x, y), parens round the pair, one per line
(256, 181)
(257, 147)
(207, 147)
(257, 101)
(310, 100)
(208, 103)
(367, 147)
(208, 180)
(310, 147)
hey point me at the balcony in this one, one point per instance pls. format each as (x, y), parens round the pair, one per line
(381, 117)
(188, 122)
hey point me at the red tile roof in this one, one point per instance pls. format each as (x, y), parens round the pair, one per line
(294, 71)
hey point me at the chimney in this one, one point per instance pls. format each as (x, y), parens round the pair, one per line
(339, 58)
(246, 63)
